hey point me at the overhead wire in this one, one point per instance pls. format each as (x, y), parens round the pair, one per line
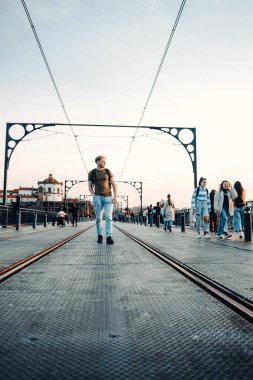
(52, 78)
(154, 83)
(52, 133)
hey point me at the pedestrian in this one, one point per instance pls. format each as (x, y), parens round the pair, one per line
(145, 216)
(201, 207)
(16, 205)
(61, 215)
(157, 212)
(74, 212)
(64, 209)
(161, 214)
(100, 181)
(149, 213)
(213, 219)
(168, 213)
(223, 205)
(239, 207)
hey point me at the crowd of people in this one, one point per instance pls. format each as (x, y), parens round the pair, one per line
(212, 210)
(208, 209)
(164, 212)
(63, 214)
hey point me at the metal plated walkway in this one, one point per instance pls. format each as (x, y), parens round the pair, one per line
(89, 311)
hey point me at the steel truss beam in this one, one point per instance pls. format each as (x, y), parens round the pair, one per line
(69, 183)
(11, 143)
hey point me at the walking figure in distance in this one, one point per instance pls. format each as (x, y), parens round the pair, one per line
(168, 213)
(74, 212)
(213, 216)
(239, 207)
(100, 181)
(223, 205)
(201, 207)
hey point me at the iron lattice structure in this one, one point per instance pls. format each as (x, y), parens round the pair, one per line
(11, 143)
(69, 183)
(125, 198)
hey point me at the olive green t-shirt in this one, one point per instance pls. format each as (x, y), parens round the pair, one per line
(102, 186)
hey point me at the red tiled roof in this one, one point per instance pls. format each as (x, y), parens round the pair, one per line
(50, 179)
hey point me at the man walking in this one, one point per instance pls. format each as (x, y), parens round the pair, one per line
(100, 181)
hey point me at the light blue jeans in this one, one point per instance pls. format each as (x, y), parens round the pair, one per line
(100, 203)
(223, 221)
(201, 211)
(169, 223)
(238, 221)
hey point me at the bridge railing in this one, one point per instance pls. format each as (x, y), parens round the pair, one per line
(187, 215)
(188, 218)
(8, 216)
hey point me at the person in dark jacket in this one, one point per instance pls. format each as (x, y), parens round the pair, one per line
(62, 207)
(213, 218)
(239, 207)
(157, 213)
(149, 213)
(74, 212)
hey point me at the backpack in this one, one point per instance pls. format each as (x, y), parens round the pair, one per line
(94, 177)
(197, 192)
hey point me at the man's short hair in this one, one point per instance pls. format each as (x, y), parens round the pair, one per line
(98, 158)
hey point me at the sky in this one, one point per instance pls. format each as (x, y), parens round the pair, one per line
(104, 55)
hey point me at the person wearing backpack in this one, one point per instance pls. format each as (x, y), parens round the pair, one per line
(201, 207)
(100, 181)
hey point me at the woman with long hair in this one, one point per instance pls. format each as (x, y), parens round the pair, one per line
(201, 207)
(223, 205)
(239, 206)
(168, 213)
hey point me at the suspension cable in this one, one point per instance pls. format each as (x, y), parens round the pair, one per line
(154, 83)
(52, 79)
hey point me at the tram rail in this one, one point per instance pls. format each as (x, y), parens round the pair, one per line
(233, 300)
(230, 298)
(21, 264)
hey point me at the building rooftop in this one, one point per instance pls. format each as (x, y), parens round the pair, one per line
(51, 180)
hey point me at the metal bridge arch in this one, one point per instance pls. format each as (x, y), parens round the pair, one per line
(27, 128)
(136, 184)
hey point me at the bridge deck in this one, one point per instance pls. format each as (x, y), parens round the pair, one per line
(87, 311)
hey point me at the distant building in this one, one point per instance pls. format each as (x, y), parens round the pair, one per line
(47, 196)
(28, 195)
(50, 190)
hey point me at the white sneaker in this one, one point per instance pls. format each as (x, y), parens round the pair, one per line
(206, 236)
(199, 236)
(236, 234)
(241, 235)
